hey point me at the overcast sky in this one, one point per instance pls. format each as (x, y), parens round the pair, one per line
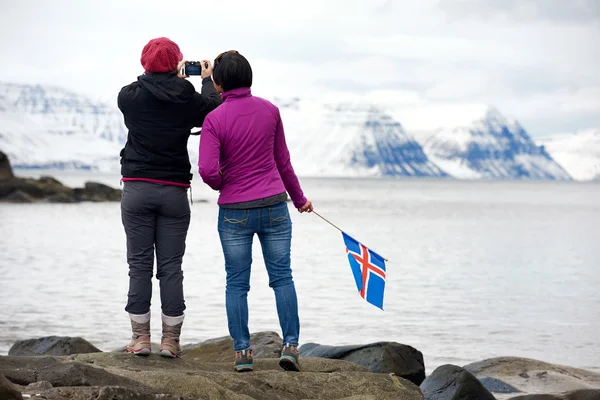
(537, 60)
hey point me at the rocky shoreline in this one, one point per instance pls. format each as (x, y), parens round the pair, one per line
(47, 189)
(56, 368)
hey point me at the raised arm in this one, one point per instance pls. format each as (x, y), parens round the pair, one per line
(208, 159)
(204, 102)
(208, 99)
(284, 165)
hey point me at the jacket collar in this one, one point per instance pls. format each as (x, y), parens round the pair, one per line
(236, 93)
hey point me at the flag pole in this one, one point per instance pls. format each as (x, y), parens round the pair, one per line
(331, 223)
(326, 220)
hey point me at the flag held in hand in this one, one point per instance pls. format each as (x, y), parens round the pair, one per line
(368, 269)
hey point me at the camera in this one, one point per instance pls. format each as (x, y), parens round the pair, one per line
(193, 68)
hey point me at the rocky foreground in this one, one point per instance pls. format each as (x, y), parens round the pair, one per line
(47, 189)
(72, 368)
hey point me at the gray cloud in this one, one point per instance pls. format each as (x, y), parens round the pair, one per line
(528, 57)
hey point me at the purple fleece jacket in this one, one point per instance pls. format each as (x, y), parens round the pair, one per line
(243, 152)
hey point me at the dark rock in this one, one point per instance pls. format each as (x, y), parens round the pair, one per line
(497, 386)
(8, 390)
(6, 171)
(48, 180)
(37, 189)
(18, 196)
(46, 188)
(59, 372)
(99, 192)
(61, 198)
(450, 382)
(382, 357)
(264, 345)
(41, 385)
(584, 394)
(52, 346)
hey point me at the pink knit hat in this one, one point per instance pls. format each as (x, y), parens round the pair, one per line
(161, 55)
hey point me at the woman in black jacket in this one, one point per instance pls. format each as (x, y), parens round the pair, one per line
(160, 109)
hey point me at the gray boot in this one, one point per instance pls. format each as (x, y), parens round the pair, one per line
(171, 330)
(140, 339)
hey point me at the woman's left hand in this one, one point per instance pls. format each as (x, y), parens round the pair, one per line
(308, 207)
(179, 67)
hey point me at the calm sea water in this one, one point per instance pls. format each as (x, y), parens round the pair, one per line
(476, 270)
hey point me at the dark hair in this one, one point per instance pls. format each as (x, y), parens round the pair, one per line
(231, 71)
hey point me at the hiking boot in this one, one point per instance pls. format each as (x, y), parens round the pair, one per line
(289, 359)
(244, 361)
(140, 338)
(171, 330)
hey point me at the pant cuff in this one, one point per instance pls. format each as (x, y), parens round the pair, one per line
(140, 318)
(172, 321)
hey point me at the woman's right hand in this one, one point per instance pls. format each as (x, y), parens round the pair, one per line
(308, 207)
(206, 69)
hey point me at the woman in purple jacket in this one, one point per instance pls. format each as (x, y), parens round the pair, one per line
(243, 154)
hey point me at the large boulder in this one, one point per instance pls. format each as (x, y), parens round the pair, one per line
(382, 357)
(450, 382)
(530, 376)
(264, 345)
(52, 346)
(584, 394)
(8, 390)
(6, 171)
(189, 377)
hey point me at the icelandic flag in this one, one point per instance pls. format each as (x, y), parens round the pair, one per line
(368, 269)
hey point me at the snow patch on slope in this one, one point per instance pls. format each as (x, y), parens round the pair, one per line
(578, 153)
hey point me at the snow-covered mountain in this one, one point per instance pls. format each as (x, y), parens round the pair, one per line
(578, 153)
(491, 147)
(350, 139)
(46, 127)
(65, 107)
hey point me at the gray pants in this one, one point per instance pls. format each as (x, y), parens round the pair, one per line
(155, 216)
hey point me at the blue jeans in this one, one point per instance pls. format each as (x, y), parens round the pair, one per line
(274, 228)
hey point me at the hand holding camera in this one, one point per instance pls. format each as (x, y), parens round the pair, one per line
(187, 68)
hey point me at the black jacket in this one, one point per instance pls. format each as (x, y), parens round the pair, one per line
(160, 111)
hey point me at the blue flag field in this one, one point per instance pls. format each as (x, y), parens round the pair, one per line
(368, 269)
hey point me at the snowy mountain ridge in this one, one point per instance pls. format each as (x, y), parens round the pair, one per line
(350, 139)
(492, 147)
(62, 106)
(47, 127)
